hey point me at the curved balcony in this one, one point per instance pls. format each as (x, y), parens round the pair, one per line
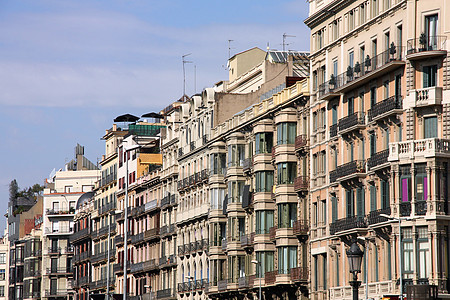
(426, 47)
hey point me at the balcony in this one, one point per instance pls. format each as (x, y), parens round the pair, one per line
(60, 212)
(301, 141)
(58, 231)
(301, 227)
(246, 282)
(333, 130)
(408, 150)
(421, 208)
(58, 271)
(151, 234)
(385, 108)
(56, 293)
(426, 47)
(137, 267)
(205, 139)
(167, 261)
(181, 250)
(118, 268)
(247, 241)
(299, 274)
(81, 256)
(355, 222)
(378, 159)
(137, 238)
(166, 293)
(80, 234)
(247, 165)
(353, 169)
(374, 216)
(422, 291)
(362, 73)
(118, 239)
(273, 234)
(301, 184)
(106, 208)
(222, 285)
(192, 146)
(405, 209)
(54, 251)
(180, 152)
(425, 97)
(270, 277)
(351, 122)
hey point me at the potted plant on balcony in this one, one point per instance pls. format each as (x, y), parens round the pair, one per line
(392, 50)
(357, 68)
(422, 41)
(332, 81)
(349, 73)
(367, 63)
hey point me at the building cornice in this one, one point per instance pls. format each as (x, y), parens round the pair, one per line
(326, 12)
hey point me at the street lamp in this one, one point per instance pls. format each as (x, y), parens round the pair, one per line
(109, 249)
(355, 255)
(260, 275)
(366, 270)
(189, 277)
(125, 220)
(150, 288)
(400, 219)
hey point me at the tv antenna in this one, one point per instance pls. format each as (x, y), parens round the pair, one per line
(284, 40)
(184, 72)
(229, 48)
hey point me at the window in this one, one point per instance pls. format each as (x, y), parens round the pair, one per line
(421, 183)
(235, 191)
(399, 36)
(430, 127)
(351, 58)
(386, 89)
(2, 291)
(373, 198)
(423, 263)
(2, 258)
(360, 202)
(362, 55)
(405, 183)
(264, 221)
(68, 189)
(349, 195)
(335, 68)
(384, 194)
(287, 215)
(55, 226)
(2, 274)
(286, 133)
(408, 253)
(373, 96)
(350, 106)
(217, 197)
(429, 76)
(286, 172)
(431, 31)
(263, 142)
(263, 181)
(334, 116)
(267, 262)
(218, 166)
(315, 80)
(236, 155)
(287, 259)
(319, 37)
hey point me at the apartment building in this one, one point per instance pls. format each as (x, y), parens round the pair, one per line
(24, 217)
(169, 202)
(144, 196)
(81, 242)
(4, 270)
(379, 146)
(258, 198)
(102, 217)
(32, 273)
(62, 191)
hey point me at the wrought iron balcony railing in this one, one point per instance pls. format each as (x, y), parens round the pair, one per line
(355, 222)
(385, 107)
(374, 216)
(351, 121)
(378, 159)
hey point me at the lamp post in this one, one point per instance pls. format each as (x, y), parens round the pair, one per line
(260, 275)
(125, 220)
(400, 266)
(355, 255)
(109, 249)
(150, 288)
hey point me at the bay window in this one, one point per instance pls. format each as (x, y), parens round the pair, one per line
(236, 155)
(263, 142)
(218, 165)
(235, 191)
(263, 181)
(286, 133)
(264, 221)
(287, 172)
(287, 215)
(217, 197)
(265, 258)
(287, 259)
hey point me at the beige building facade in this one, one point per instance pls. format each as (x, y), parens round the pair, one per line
(379, 145)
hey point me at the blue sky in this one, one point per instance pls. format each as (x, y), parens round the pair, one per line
(67, 68)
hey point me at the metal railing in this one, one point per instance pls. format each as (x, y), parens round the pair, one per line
(421, 207)
(355, 119)
(349, 223)
(301, 227)
(378, 158)
(301, 183)
(426, 43)
(361, 69)
(374, 216)
(388, 105)
(333, 130)
(353, 167)
(405, 209)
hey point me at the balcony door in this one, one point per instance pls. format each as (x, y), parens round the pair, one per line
(430, 127)
(429, 76)
(431, 23)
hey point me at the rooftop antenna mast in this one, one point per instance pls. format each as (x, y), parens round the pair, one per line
(284, 40)
(229, 48)
(184, 71)
(195, 79)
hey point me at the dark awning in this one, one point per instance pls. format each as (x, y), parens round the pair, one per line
(126, 118)
(152, 115)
